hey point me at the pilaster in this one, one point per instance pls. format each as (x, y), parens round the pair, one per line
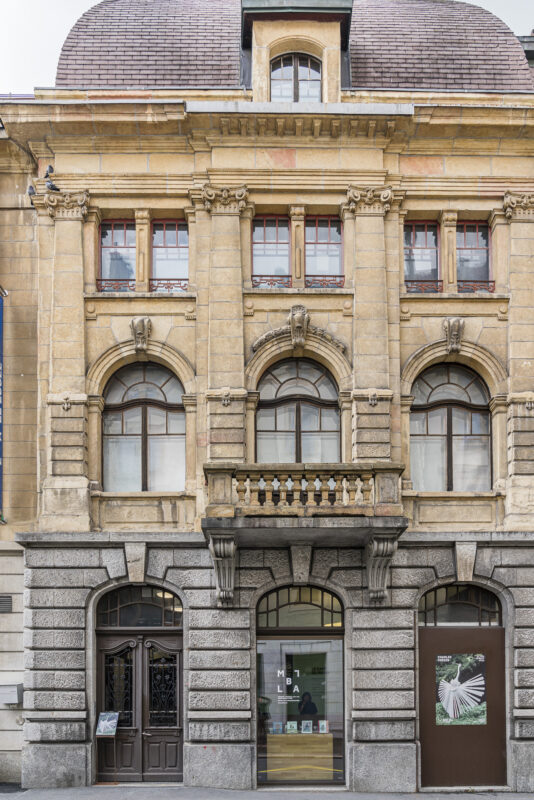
(297, 216)
(143, 249)
(448, 221)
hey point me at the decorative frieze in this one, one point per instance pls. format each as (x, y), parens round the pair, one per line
(64, 205)
(518, 205)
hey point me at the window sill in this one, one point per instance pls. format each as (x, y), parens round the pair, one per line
(481, 295)
(140, 495)
(297, 290)
(190, 295)
(452, 495)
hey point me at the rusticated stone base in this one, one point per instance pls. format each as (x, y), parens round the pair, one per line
(54, 766)
(390, 767)
(218, 766)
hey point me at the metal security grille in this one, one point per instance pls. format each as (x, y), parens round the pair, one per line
(6, 604)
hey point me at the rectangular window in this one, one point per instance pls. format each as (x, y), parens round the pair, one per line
(270, 252)
(117, 257)
(421, 257)
(170, 256)
(472, 257)
(324, 264)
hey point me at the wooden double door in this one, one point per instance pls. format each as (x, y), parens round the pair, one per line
(140, 676)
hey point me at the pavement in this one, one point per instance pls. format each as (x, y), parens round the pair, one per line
(162, 791)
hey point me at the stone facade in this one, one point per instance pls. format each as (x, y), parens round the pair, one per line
(376, 161)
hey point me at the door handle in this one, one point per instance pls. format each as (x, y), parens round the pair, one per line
(146, 734)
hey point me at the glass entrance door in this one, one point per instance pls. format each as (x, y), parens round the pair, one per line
(300, 711)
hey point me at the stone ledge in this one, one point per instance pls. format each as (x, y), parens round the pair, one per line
(219, 715)
(43, 716)
(385, 714)
(110, 538)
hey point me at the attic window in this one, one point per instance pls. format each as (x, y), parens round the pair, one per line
(296, 78)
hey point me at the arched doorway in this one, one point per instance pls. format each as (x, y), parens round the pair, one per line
(300, 713)
(462, 702)
(139, 641)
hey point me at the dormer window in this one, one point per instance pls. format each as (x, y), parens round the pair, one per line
(296, 78)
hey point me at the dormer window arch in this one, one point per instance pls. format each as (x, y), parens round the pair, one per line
(296, 78)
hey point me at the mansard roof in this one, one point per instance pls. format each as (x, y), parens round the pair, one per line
(394, 44)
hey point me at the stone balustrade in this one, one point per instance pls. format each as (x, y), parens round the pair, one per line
(363, 489)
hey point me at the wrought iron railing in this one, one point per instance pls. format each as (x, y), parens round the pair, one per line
(303, 489)
(115, 285)
(420, 287)
(168, 284)
(283, 281)
(476, 286)
(324, 281)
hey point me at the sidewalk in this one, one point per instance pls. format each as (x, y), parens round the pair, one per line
(177, 792)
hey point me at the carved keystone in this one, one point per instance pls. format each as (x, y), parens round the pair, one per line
(223, 552)
(380, 551)
(300, 563)
(454, 331)
(141, 328)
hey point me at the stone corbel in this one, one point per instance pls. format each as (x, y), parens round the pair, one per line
(369, 200)
(63, 205)
(380, 551)
(223, 199)
(518, 206)
(223, 551)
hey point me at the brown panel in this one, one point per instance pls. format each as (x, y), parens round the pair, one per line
(462, 755)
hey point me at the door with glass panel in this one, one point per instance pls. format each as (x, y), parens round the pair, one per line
(139, 676)
(462, 696)
(300, 731)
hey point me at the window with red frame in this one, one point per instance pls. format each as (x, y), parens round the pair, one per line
(473, 257)
(117, 256)
(270, 252)
(324, 264)
(421, 257)
(170, 256)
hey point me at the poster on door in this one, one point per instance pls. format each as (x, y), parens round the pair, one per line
(461, 689)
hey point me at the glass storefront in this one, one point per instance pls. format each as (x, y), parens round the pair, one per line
(300, 694)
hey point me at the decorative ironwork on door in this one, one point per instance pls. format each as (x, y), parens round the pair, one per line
(162, 687)
(118, 668)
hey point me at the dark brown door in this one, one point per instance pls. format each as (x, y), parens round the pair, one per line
(140, 676)
(462, 706)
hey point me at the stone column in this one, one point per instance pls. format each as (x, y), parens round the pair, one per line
(95, 405)
(448, 221)
(500, 248)
(297, 215)
(246, 245)
(190, 216)
(65, 488)
(190, 405)
(251, 405)
(91, 248)
(226, 394)
(143, 249)
(519, 211)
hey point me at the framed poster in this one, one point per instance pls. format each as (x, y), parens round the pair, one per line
(307, 726)
(292, 727)
(461, 689)
(107, 723)
(323, 726)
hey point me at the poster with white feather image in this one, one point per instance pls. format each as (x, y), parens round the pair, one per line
(461, 689)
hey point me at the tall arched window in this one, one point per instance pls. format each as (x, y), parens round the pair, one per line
(295, 78)
(297, 420)
(143, 431)
(450, 439)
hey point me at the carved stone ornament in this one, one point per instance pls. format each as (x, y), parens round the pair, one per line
(223, 552)
(380, 551)
(369, 200)
(64, 205)
(141, 328)
(224, 199)
(518, 204)
(454, 331)
(298, 328)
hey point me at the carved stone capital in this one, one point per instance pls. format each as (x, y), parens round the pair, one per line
(224, 200)
(63, 205)
(448, 219)
(518, 206)
(223, 551)
(298, 328)
(454, 331)
(297, 212)
(368, 201)
(380, 551)
(141, 328)
(142, 216)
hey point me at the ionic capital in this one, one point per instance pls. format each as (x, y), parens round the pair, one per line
(63, 205)
(371, 200)
(224, 199)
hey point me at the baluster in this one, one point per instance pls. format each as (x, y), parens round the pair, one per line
(324, 489)
(269, 490)
(351, 488)
(310, 489)
(338, 489)
(241, 488)
(254, 490)
(283, 489)
(367, 477)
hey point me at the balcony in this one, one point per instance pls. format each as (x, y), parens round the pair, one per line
(301, 506)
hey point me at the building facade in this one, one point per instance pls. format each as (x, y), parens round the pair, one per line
(269, 400)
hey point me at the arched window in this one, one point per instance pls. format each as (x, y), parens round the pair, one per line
(143, 431)
(139, 607)
(295, 78)
(297, 420)
(450, 441)
(459, 604)
(296, 607)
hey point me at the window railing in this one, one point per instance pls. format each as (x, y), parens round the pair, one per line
(115, 285)
(168, 284)
(272, 280)
(476, 286)
(324, 281)
(423, 286)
